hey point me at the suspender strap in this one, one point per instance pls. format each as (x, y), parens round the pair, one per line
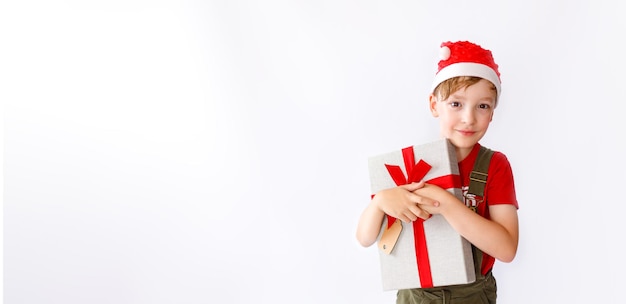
(478, 180)
(478, 177)
(477, 254)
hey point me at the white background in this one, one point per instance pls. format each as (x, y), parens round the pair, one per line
(216, 151)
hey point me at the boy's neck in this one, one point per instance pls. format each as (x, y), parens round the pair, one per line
(462, 153)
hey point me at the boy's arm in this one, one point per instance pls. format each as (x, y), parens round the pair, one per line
(497, 236)
(399, 202)
(369, 225)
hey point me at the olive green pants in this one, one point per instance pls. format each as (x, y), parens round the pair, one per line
(483, 291)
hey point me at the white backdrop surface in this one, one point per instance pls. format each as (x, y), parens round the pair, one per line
(216, 151)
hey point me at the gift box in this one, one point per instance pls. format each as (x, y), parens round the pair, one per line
(424, 253)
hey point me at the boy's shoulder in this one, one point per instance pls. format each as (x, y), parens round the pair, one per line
(489, 158)
(494, 152)
(497, 164)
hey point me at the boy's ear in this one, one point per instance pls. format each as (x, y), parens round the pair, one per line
(432, 101)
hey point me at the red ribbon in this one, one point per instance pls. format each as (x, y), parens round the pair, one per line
(415, 173)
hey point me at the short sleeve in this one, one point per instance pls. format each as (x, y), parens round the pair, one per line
(500, 182)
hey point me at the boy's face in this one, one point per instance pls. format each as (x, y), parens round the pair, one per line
(465, 116)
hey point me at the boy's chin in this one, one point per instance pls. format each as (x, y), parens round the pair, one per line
(465, 143)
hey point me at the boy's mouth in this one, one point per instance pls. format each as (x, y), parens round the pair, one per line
(466, 132)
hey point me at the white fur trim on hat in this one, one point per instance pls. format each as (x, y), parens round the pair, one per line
(467, 69)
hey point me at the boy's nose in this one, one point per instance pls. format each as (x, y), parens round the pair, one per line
(468, 116)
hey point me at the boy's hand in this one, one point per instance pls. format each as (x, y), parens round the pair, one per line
(402, 202)
(435, 194)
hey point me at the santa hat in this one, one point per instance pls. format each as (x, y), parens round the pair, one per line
(463, 58)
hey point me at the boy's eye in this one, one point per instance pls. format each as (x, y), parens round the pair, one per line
(455, 104)
(484, 106)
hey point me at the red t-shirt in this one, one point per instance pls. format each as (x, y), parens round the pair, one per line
(500, 189)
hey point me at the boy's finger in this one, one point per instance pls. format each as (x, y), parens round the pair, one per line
(417, 211)
(414, 186)
(410, 216)
(418, 199)
(428, 201)
(405, 219)
(424, 215)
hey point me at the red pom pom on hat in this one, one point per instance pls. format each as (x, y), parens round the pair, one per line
(464, 58)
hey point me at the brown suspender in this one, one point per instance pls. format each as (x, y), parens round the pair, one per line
(478, 177)
(478, 180)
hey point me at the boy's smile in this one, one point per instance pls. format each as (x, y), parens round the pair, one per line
(465, 116)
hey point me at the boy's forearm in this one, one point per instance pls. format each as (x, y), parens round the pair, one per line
(498, 239)
(497, 236)
(369, 225)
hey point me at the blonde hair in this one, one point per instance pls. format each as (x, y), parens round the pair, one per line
(449, 86)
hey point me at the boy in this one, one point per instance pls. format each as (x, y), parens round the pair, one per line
(465, 93)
